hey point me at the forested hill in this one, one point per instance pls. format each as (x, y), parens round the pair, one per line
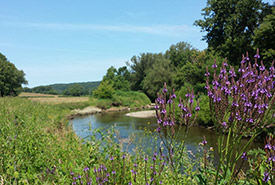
(82, 88)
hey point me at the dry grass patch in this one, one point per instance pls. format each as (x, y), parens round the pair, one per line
(58, 100)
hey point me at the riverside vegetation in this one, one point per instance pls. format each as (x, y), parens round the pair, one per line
(38, 147)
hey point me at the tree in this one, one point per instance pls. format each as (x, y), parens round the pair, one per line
(104, 91)
(230, 25)
(157, 75)
(264, 38)
(180, 53)
(75, 90)
(11, 79)
(138, 67)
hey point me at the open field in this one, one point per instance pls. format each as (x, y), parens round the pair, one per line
(35, 95)
(53, 99)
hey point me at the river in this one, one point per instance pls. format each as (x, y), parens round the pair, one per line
(129, 126)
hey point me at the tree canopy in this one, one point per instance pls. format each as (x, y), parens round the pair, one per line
(11, 79)
(230, 25)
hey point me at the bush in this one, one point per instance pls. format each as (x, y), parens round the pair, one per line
(104, 91)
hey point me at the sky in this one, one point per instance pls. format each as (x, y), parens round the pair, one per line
(65, 41)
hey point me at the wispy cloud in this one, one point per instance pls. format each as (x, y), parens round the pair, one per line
(166, 30)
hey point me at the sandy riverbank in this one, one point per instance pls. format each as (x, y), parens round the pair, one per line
(142, 114)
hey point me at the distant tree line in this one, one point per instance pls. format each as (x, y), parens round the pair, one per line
(71, 89)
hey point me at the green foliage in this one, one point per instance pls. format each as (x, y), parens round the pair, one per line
(180, 54)
(130, 99)
(138, 66)
(11, 79)
(75, 90)
(230, 25)
(264, 37)
(45, 89)
(161, 71)
(104, 91)
(119, 79)
(204, 115)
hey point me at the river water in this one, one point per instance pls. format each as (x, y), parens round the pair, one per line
(131, 126)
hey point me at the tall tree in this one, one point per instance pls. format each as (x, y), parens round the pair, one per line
(160, 72)
(138, 66)
(180, 53)
(265, 37)
(11, 79)
(230, 25)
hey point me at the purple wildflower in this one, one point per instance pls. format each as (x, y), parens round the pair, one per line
(197, 108)
(158, 129)
(268, 146)
(169, 101)
(224, 124)
(244, 156)
(266, 177)
(164, 90)
(163, 111)
(86, 169)
(173, 96)
(204, 142)
(112, 158)
(114, 172)
(257, 56)
(72, 173)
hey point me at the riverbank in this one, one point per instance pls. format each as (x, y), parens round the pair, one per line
(94, 110)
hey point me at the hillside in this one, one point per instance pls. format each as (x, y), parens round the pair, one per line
(60, 88)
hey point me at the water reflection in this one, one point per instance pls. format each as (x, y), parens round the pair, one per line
(129, 126)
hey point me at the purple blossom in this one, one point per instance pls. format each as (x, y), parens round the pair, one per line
(197, 108)
(72, 173)
(158, 129)
(257, 56)
(262, 68)
(129, 183)
(268, 146)
(156, 107)
(159, 120)
(123, 157)
(164, 90)
(111, 158)
(165, 123)
(224, 124)
(86, 169)
(135, 165)
(146, 159)
(204, 142)
(180, 105)
(266, 177)
(214, 65)
(244, 156)
(163, 111)
(173, 96)
(169, 101)
(160, 182)
(207, 74)
(114, 172)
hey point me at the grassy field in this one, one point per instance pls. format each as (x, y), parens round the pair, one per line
(52, 99)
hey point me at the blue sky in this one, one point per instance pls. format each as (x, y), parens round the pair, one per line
(63, 41)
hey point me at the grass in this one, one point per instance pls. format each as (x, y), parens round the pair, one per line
(38, 147)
